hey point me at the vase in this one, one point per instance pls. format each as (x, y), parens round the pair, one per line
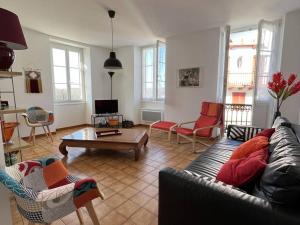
(276, 114)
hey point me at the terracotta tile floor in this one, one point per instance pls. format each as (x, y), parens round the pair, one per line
(130, 187)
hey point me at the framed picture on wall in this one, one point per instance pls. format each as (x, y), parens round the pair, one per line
(189, 77)
(33, 81)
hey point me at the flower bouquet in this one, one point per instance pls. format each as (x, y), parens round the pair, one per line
(280, 89)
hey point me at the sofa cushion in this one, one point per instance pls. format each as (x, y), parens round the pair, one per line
(239, 172)
(296, 128)
(250, 146)
(280, 182)
(210, 162)
(281, 132)
(281, 121)
(266, 133)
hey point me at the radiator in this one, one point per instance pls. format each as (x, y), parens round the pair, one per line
(149, 116)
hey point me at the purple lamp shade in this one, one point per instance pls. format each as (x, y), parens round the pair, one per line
(11, 37)
(11, 33)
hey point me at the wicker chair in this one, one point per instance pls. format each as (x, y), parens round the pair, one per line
(38, 117)
(45, 192)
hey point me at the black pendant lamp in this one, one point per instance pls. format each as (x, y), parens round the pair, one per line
(112, 63)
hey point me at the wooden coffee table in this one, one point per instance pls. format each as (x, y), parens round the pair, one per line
(129, 139)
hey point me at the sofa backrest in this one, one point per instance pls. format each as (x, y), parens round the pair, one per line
(280, 182)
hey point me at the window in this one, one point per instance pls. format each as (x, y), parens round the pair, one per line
(67, 70)
(153, 72)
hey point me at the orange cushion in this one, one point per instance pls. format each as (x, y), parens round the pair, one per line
(213, 109)
(54, 173)
(254, 144)
(205, 121)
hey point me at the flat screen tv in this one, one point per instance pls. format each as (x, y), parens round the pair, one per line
(106, 106)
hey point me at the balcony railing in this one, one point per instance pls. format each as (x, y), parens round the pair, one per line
(238, 114)
(240, 79)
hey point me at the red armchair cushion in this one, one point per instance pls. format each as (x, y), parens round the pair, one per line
(163, 125)
(184, 131)
(266, 133)
(211, 109)
(205, 121)
(239, 172)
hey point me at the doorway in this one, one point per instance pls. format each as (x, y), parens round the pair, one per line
(241, 77)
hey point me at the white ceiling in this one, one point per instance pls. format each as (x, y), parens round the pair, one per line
(140, 22)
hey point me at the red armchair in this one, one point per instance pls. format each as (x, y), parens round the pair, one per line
(211, 117)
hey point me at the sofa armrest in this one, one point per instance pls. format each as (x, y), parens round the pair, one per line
(242, 133)
(184, 199)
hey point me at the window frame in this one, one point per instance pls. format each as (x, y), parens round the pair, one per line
(67, 49)
(155, 65)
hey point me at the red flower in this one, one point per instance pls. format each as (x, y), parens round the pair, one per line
(292, 78)
(277, 77)
(296, 88)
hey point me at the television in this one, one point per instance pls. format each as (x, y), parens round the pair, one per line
(106, 106)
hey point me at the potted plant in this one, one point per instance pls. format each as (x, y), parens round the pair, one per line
(280, 89)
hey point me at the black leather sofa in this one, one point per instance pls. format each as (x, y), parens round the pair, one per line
(193, 196)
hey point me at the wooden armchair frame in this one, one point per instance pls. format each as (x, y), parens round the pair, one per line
(195, 138)
(172, 128)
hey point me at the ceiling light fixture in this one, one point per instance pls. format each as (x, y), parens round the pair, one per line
(112, 63)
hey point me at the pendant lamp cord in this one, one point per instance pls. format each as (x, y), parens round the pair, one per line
(112, 34)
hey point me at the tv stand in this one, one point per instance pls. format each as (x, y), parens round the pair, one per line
(119, 116)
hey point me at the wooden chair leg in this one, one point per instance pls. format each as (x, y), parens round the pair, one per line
(33, 136)
(150, 131)
(49, 132)
(30, 137)
(79, 215)
(46, 133)
(194, 143)
(178, 138)
(169, 135)
(90, 208)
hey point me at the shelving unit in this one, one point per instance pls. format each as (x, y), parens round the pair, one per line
(16, 145)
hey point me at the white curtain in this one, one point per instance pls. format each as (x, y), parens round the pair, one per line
(223, 64)
(268, 62)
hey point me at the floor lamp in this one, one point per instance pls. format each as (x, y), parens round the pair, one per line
(111, 75)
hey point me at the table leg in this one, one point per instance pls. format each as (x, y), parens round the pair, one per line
(63, 148)
(146, 141)
(137, 152)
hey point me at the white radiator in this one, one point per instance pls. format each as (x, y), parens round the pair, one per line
(149, 115)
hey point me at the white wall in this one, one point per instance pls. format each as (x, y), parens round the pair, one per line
(290, 62)
(100, 81)
(37, 56)
(127, 83)
(199, 49)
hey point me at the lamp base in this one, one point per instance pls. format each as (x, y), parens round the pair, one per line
(7, 57)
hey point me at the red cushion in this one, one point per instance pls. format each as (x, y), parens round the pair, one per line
(250, 146)
(239, 172)
(184, 131)
(205, 121)
(211, 109)
(266, 133)
(163, 125)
